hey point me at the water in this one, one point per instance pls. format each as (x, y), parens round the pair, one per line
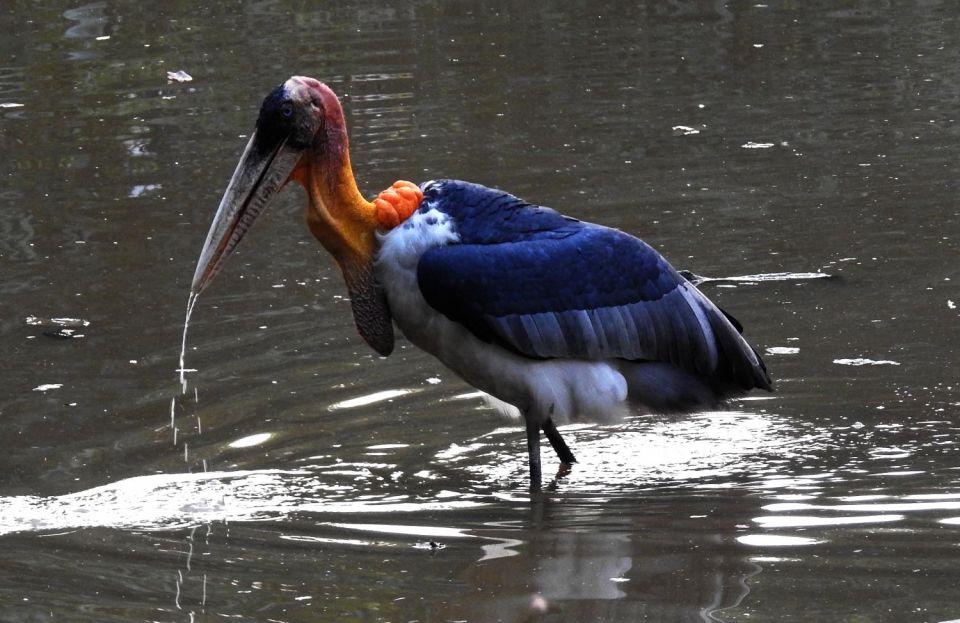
(183, 370)
(312, 480)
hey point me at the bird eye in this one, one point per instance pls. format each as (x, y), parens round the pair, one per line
(286, 110)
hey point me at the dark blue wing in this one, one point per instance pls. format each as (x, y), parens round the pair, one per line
(545, 286)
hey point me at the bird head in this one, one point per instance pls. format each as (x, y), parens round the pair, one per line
(301, 136)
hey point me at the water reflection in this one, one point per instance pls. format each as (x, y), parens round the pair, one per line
(706, 452)
(706, 448)
(169, 501)
(575, 549)
(703, 514)
(581, 561)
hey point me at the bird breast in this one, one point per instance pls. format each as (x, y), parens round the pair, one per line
(396, 270)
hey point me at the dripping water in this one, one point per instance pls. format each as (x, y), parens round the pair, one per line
(191, 302)
(182, 372)
(176, 598)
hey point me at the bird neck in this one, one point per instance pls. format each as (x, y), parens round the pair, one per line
(337, 214)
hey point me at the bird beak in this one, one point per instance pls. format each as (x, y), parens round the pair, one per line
(301, 136)
(261, 173)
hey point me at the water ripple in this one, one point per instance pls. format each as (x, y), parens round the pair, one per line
(705, 450)
(168, 501)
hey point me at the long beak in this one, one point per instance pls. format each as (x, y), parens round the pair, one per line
(260, 174)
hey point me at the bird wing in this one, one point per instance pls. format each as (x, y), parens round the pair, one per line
(560, 288)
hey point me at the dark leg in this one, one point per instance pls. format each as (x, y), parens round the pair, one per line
(559, 445)
(533, 449)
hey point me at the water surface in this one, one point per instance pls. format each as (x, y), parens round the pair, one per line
(301, 477)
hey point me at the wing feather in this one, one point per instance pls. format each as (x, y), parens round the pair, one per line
(554, 287)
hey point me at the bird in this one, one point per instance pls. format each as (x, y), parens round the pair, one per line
(557, 319)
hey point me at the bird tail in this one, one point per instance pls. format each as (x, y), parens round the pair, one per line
(666, 388)
(740, 367)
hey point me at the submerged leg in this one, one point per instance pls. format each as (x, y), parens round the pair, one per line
(533, 450)
(559, 445)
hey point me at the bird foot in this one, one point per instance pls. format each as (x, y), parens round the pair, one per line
(395, 204)
(565, 469)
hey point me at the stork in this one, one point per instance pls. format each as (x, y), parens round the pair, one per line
(562, 319)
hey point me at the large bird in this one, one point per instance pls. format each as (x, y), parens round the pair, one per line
(562, 319)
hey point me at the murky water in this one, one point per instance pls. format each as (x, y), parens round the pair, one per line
(302, 478)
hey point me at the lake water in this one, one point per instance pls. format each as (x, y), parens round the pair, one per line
(303, 478)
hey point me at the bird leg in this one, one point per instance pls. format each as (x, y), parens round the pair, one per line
(533, 450)
(559, 445)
